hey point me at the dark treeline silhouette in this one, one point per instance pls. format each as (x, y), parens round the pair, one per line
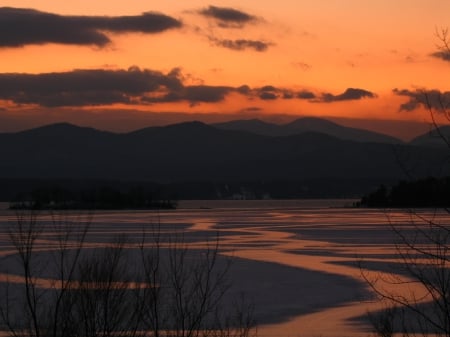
(76, 189)
(429, 192)
(95, 197)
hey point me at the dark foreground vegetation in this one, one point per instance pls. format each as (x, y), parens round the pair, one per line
(414, 289)
(154, 284)
(429, 192)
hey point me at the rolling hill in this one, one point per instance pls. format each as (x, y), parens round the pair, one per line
(194, 152)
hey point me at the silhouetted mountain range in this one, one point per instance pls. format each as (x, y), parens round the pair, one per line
(434, 138)
(191, 153)
(307, 124)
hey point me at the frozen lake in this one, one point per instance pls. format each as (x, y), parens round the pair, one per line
(297, 261)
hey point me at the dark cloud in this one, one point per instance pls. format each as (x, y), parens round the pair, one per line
(19, 27)
(73, 99)
(105, 87)
(267, 95)
(194, 94)
(348, 95)
(94, 87)
(85, 87)
(244, 89)
(415, 99)
(305, 94)
(270, 92)
(442, 54)
(228, 17)
(433, 99)
(204, 93)
(268, 88)
(252, 109)
(242, 44)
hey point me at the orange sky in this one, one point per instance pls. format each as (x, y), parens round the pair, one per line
(322, 48)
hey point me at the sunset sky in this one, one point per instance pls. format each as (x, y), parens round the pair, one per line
(127, 64)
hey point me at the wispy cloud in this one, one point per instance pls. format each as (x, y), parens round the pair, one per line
(251, 109)
(302, 65)
(20, 27)
(228, 17)
(242, 44)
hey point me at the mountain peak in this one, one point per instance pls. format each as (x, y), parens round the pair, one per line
(188, 125)
(312, 122)
(307, 124)
(56, 128)
(256, 126)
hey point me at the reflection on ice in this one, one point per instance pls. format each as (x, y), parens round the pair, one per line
(320, 247)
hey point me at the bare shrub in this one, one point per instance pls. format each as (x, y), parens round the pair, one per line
(157, 286)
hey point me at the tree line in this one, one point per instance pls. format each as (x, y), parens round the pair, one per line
(103, 197)
(428, 192)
